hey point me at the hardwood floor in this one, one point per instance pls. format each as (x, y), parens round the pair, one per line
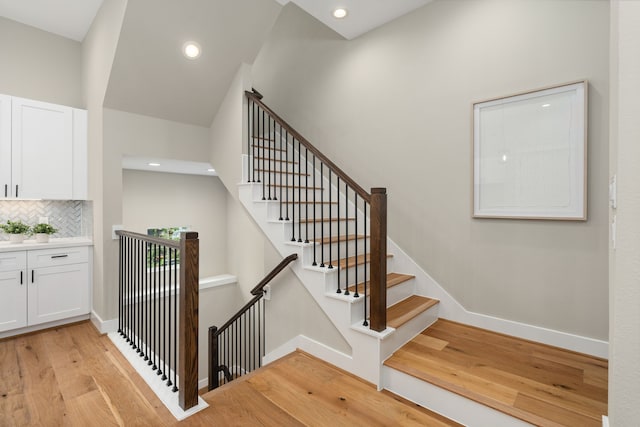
(540, 384)
(73, 376)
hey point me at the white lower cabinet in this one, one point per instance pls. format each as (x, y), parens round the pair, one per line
(40, 286)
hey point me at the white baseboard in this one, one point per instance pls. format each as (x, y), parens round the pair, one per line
(605, 421)
(313, 347)
(164, 393)
(42, 326)
(104, 326)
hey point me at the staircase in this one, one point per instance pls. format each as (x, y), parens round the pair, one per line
(306, 205)
(381, 301)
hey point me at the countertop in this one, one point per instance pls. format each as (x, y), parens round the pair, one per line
(6, 246)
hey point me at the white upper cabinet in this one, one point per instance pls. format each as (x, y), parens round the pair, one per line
(5, 145)
(47, 148)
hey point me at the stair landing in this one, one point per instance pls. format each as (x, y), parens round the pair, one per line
(537, 383)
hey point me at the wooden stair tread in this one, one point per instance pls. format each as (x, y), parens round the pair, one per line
(537, 383)
(334, 239)
(352, 261)
(262, 138)
(407, 309)
(318, 220)
(393, 279)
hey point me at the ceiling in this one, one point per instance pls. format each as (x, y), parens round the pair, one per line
(157, 164)
(67, 18)
(150, 76)
(363, 15)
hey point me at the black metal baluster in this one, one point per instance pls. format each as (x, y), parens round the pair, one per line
(164, 315)
(145, 304)
(286, 175)
(269, 157)
(249, 140)
(330, 217)
(286, 168)
(156, 299)
(262, 157)
(306, 195)
(175, 319)
(169, 366)
(338, 291)
(254, 143)
(322, 214)
(293, 191)
(120, 284)
(299, 192)
(346, 239)
(129, 286)
(365, 323)
(315, 224)
(138, 292)
(355, 193)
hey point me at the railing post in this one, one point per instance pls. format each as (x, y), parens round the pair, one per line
(378, 264)
(213, 358)
(188, 357)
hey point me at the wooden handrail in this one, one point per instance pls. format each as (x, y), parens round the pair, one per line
(257, 290)
(332, 166)
(174, 244)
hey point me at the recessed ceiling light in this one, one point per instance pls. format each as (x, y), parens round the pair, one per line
(339, 13)
(191, 50)
(211, 170)
(546, 105)
(154, 164)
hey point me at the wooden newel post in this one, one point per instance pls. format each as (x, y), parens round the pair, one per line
(378, 320)
(188, 329)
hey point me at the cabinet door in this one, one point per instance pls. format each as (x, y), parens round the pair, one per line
(13, 300)
(41, 150)
(5, 146)
(58, 292)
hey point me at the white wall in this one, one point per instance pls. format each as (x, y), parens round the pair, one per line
(39, 65)
(156, 200)
(393, 109)
(136, 135)
(624, 371)
(98, 50)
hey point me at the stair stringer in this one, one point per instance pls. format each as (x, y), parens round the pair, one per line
(365, 360)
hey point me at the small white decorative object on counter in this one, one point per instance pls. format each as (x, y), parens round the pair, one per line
(16, 238)
(42, 238)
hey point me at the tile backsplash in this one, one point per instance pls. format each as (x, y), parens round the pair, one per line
(72, 218)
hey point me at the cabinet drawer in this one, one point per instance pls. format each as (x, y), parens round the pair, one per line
(10, 261)
(61, 256)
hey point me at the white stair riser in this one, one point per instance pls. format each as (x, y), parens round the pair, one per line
(408, 331)
(322, 251)
(304, 210)
(306, 231)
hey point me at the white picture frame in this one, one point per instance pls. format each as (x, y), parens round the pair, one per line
(530, 155)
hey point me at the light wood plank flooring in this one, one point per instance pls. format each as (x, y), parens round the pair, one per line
(540, 384)
(73, 376)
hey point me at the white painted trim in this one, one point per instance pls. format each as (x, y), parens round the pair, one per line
(451, 309)
(451, 405)
(311, 346)
(215, 281)
(164, 393)
(605, 421)
(34, 328)
(103, 326)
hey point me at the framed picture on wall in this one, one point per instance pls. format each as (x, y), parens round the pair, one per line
(530, 155)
